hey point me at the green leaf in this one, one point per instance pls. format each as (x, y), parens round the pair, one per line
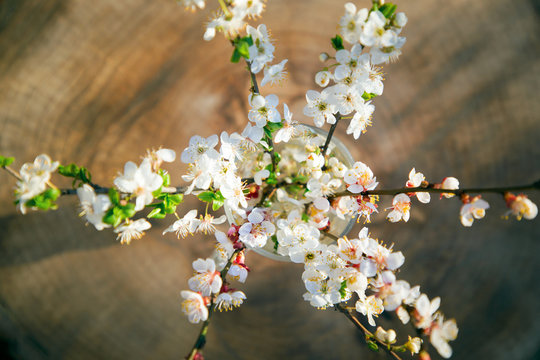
(277, 156)
(127, 210)
(112, 218)
(77, 173)
(166, 177)
(243, 48)
(216, 204)
(6, 161)
(276, 243)
(388, 10)
(372, 345)
(342, 288)
(273, 127)
(300, 178)
(368, 96)
(206, 196)
(337, 42)
(177, 199)
(114, 196)
(156, 213)
(305, 217)
(271, 180)
(235, 56)
(70, 170)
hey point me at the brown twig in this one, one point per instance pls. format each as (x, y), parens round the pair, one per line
(430, 189)
(366, 332)
(201, 339)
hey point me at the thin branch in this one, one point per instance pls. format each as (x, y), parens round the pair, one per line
(12, 172)
(201, 339)
(430, 189)
(366, 332)
(330, 134)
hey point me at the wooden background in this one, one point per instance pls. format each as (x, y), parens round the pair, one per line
(99, 82)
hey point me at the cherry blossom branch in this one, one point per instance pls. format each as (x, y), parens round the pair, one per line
(201, 339)
(105, 190)
(431, 189)
(255, 89)
(367, 333)
(330, 134)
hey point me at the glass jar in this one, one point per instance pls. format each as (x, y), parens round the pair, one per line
(339, 227)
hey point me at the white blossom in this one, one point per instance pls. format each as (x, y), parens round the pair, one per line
(442, 332)
(207, 279)
(194, 307)
(274, 74)
(93, 206)
(475, 209)
(132, 230)
(140, 181)
(186, 225)
(370, 306)
(263, 109)
(401, 205)
(320, 106)
(198, 147)
(288, 130)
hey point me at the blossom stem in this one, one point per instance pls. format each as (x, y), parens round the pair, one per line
(201, 339)
(431, 189)
(224, 8)
(255, 90)
(12, 172)
(367, 333)
(330, 134)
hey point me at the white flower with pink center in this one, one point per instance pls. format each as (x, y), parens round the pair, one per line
(194, 306)
(360, 178)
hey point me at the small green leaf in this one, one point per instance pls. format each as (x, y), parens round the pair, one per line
(177, 199)
(305, 217)
(166, 177)
(127, 210)
(276, 243)
(206, 196)
(368, 96)
(388, 10)
(114, 196)
(6, 161)
(273, 127)
(271, 180)
(112, 218)
(156, 214)
(372, 345)
(300, 179)
(337, 43)
(217, 204)
(342, 289)
(243, 48)
(235, 56)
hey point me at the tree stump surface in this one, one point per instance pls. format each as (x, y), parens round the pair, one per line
(99, 82)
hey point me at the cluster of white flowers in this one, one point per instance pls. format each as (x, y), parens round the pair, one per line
(424, 316)
(231, 19)
(208, 290)
(377, 29)
(138, 182)
(34, 179)
(357, 78)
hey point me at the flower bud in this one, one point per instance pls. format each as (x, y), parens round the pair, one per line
(323, 57)
(521, 206)
(414, 345)
(424, 355)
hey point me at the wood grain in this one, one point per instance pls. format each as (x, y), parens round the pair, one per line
(99, 82)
